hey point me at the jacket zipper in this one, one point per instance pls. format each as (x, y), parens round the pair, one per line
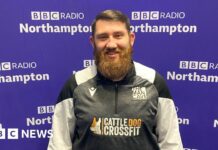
(116, 97)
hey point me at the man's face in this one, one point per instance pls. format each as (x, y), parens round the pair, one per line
(112, 48)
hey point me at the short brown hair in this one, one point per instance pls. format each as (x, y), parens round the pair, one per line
(111, 15)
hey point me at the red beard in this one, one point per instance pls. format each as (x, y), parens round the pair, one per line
(113, 69)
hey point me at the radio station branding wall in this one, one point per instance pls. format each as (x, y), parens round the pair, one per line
(44, 42)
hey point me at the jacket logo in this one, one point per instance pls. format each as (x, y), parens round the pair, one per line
(96, 126)
(139, 93)
(92, 91)
(116, 126)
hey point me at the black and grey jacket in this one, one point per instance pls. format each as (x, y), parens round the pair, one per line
(94, 113)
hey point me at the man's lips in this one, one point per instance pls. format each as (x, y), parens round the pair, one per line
(112, 54)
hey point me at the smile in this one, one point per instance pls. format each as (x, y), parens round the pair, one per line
(112, 54)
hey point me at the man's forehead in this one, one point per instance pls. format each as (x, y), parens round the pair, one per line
(104, 25)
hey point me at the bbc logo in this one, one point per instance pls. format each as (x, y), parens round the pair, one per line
(45, 109)
(145, 15)
(5, 66)
(88, 62)
(195, 65)
(45, 15)
(12, 133)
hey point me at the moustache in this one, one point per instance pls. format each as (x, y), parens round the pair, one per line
(112, 50)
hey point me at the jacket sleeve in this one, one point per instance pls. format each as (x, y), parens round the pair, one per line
(167, 127)
(64, 120)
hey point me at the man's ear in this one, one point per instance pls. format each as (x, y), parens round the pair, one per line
(132, 38)
(91, 40)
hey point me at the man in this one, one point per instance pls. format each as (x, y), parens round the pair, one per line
(117, 104)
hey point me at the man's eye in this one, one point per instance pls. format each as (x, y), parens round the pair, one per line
(102, 37)
(118, 36)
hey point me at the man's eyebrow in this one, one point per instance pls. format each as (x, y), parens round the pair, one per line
(118, 32)
(104, 33)
(101, 34)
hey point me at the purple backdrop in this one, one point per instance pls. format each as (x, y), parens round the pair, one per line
(44, 42)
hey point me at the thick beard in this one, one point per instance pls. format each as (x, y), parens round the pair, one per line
(114, 70)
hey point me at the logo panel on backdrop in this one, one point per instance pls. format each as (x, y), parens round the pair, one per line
(12, 72)
(42, 120)
(160, 29)
(198, 71)
(150, 22)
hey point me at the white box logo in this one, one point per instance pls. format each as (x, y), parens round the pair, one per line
(41, 109)
(154, 15)
(203, 65)
(55, 16)
(183, 65)
(35, 15)
(45, 15)
(193, 65)
(12, 133)
(87, 63)
(215, 124)
(5, 66)
(50, 109)
(135, 15)
(145, 15)
(2, 133)
(45, 109)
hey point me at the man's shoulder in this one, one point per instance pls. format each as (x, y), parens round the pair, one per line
(85, 74)
(74, 81)
(154, 77)
(145, 72)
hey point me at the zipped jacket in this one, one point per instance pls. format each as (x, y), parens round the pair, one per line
(95, 113)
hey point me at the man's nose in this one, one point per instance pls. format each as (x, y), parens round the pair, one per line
(111, 44)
